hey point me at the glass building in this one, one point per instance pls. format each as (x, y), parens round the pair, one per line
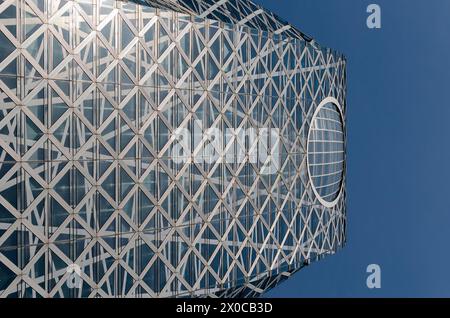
(177, 148)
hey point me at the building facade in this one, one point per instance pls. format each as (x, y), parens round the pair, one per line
(181, 148)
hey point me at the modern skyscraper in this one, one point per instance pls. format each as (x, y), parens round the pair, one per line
(164, 148)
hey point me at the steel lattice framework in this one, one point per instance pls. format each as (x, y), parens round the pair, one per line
(91, 92)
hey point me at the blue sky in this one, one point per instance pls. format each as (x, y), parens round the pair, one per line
(398, 149)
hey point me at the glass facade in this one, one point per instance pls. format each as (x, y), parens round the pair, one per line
(106, 188)
(326, 152)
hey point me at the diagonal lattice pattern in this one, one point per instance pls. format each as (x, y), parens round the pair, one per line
(91, 92)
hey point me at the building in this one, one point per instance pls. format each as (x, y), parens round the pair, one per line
(165, 148)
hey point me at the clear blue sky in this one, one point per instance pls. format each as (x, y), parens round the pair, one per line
(398, 148)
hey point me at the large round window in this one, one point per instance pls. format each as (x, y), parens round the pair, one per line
(326, 152)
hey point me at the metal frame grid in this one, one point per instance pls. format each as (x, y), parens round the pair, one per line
(91, 92)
